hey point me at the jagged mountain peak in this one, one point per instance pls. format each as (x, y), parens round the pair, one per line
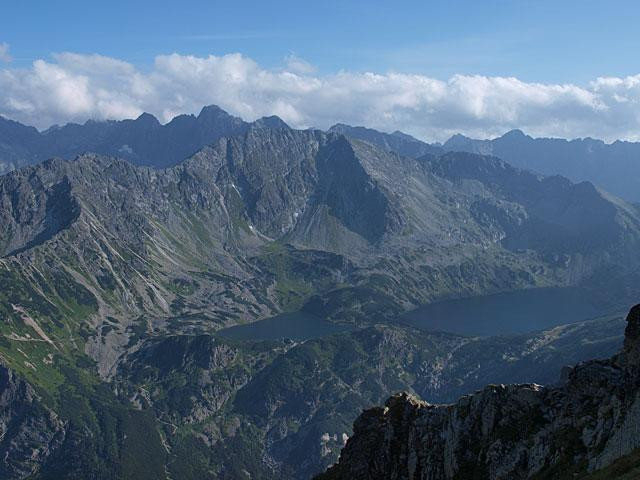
(515, 133)
(273, 122)
(143, 141)
(214, 115)
(459, 136)
(406, 136)
(211, 111)
(457, 142)
(147, 119)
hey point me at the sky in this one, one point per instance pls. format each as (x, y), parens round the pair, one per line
(431, 69)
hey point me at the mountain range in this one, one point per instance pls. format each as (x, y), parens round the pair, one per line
(615, 167)
(143, 141)
(120, 270)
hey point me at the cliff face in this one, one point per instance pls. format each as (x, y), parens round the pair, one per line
(506, 431)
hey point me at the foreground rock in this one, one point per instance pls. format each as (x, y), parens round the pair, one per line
(506, 431)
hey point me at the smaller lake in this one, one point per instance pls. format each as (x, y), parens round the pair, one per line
(507, 313)
(296, 326)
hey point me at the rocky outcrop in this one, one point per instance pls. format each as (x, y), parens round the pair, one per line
(284, 409)
(506, 431)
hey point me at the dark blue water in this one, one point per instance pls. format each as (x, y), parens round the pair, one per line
(508, 313)
(295, 326)
(505, 313)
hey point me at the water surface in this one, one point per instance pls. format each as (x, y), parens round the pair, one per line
(507, 313)
(295, 326)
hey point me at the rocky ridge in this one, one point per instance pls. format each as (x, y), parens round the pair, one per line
(29, 431)
(141, 141)
(397, 142)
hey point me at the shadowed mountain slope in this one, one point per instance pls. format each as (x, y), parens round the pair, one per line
(615, 167)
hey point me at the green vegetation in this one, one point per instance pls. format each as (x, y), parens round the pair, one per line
(124, 443)
(298, 274)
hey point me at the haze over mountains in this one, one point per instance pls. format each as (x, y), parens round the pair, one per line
(144, 141)
(120, 270)
(614, 167)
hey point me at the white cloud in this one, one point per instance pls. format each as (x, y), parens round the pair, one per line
(4, 53)
(75, 87)
(298, 65)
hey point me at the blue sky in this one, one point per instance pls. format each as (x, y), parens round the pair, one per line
(542, 41)
(552, 68)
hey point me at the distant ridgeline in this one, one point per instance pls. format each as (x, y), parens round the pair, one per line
(119, 281)
(614, 167)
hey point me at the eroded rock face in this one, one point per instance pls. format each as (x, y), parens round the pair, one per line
(506, 431)
(29, 432)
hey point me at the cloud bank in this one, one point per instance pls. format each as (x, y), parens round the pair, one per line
(76, 87)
